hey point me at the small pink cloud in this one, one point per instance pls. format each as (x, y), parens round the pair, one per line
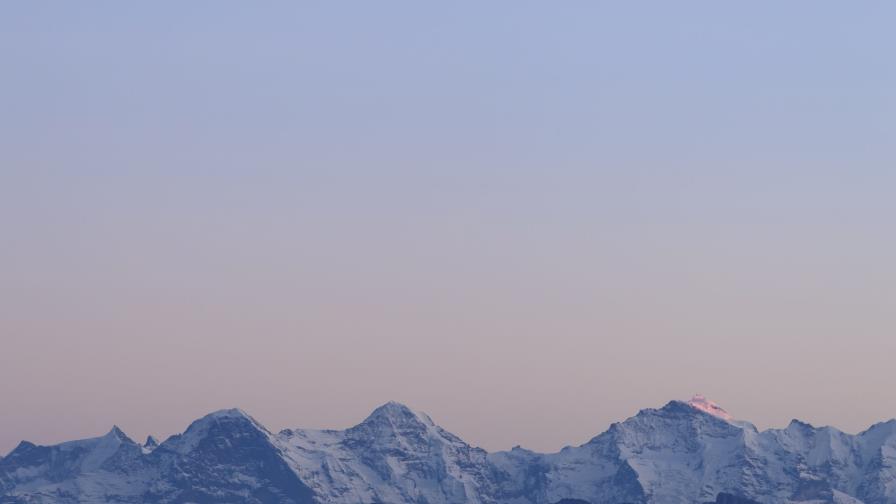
(703, 404)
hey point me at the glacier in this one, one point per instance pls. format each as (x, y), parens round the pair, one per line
(686, 452)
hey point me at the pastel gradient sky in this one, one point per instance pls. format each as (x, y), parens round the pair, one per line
(527, 219)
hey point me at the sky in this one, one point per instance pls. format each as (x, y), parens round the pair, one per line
(527, 219)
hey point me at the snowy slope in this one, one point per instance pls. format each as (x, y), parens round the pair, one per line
(223, 457)
(395, 455)
(683, 453)
(88, 470)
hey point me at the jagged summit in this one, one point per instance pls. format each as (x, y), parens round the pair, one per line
(150, 444)
(118, 434)
(797, 423)
(701, 403)
(685, 452)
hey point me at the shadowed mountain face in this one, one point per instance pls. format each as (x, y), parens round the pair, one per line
(683, 453)
(223, 457)
(732, 499)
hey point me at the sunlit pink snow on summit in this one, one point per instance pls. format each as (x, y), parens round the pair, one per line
(703, 404)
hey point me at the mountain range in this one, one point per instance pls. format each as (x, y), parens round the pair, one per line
(689, 452)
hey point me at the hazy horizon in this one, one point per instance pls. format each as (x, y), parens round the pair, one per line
(526, 220)
(161, 437)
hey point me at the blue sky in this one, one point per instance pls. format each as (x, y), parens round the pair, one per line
(490, 211)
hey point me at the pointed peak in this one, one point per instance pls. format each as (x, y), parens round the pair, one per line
(397, 413)
(224, 423)
(23, 446)
(232, 416)
(228, 413)
(705, 405)
(150, 445)
(117, 434)
(393, 407)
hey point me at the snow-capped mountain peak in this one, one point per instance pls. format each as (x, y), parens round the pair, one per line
(117, 433)
(701, 403)
(682, 453)
(398, 413)
(234, 416)
(222, 424)
(395, 455)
